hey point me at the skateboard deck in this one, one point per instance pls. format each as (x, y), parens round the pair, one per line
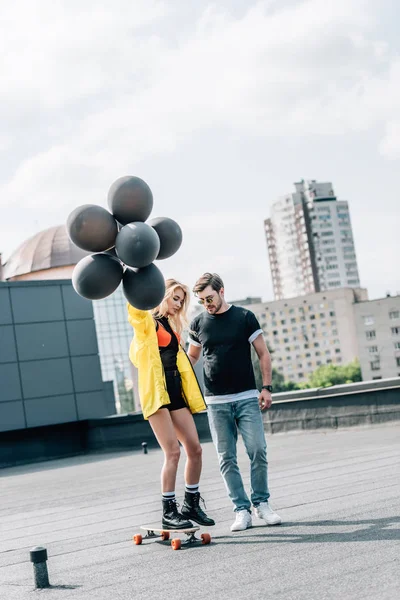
(165, 534)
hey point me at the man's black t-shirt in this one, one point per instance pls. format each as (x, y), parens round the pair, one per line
(225, 339)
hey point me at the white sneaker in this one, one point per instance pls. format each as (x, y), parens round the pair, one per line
(242, 521)
(265, 512)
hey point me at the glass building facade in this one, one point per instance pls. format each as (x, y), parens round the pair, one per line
(114, 336)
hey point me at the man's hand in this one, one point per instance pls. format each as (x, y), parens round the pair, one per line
(264, 400)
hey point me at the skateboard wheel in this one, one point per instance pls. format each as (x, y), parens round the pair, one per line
(165, 535)
(137, 539)
(176, 544)
(206, 538)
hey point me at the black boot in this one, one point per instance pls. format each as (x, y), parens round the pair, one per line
(191, 509)
(172, 519)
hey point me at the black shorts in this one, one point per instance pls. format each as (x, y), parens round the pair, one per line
(174, 389)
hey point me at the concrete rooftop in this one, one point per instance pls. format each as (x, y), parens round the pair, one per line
(338, 493)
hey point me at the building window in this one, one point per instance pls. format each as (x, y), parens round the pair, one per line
(371, 335)
(398, 361)
(332, 313)
(375, 365)
(373, 349)
(369, 320)
(394, 314)
(395, 330)
(397, 345)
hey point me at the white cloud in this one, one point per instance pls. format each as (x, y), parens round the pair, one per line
(310, 68)
(92, 88)
(390, 145)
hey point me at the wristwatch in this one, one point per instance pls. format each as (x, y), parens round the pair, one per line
(268, 388)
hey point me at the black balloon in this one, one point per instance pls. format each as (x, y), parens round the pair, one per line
(97, 276)
(144, 288)
(130, 199)
(137, 245)
(92, 228)
(170, 235)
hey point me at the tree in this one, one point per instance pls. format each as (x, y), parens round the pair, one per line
(328, 375)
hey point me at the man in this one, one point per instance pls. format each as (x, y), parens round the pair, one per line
(225, 332)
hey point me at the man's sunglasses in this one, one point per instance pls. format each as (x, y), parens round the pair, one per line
(208, 300)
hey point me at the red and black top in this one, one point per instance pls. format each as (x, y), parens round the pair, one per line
(168, 343)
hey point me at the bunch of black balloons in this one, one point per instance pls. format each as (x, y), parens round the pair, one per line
(124, 246)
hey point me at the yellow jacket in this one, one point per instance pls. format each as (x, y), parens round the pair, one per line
(145, 355)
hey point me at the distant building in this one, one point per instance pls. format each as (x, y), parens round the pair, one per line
(247, 301)
(378, 336)
(310, 242)
(308, 331)
(50, 255)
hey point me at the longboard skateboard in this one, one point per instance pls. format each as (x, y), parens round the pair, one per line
(164, 535)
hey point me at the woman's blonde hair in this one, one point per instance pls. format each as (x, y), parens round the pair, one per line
(178, 321)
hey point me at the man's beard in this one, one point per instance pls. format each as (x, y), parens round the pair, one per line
(218, 305)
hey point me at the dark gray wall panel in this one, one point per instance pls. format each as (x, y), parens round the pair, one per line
(5, 307)
(87, 373)
(36, 341)
(49, 411)
(11, 416)
(36, 303)
(45, 329)
(75, 306)
(109, 395)
(8, 351)
(10, 388)
(82, 337)
(46, 378)
(91, 405)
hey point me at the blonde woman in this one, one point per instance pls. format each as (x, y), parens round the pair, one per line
(169, 394)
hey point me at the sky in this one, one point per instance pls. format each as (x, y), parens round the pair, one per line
(220, 107)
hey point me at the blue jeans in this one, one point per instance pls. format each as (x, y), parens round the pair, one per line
(225, 421)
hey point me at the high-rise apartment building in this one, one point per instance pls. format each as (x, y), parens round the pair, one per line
(310, 242)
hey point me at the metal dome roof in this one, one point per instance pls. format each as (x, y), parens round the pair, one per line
(45, 250)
